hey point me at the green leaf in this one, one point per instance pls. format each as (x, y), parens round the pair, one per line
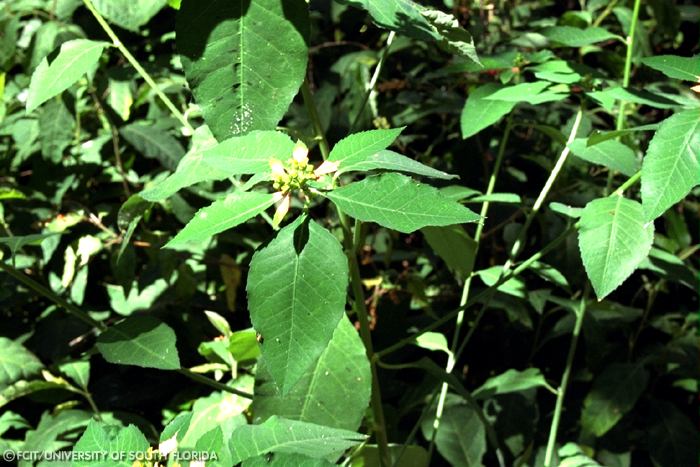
(358, 147)
(511, 381)
(141, 341)
(136, 298)
(244, 61)
(575, 37)
(75, 59)
(411, 455)
(154, 143)
(671, 167)
(400, 203)
(404, 16)
(515, 286)
(461, 438)
(56, 130)
(556, 71)
(291, 437)
(673, 66)
(221, 215)
(614, 393)
(54, 431)
(16, 243)
(480, 113)
(611, 154)
(390, 160)
(249, 154)
(532, 93)
(614, 239)
(608, 97)
(16, 362)
(454, 246)
(116, 442)
(296, 296)
(672, 437)
(129, 14)
(24, 388)
(286, 460)
(341, 373)
(598, 137)
(454, 38)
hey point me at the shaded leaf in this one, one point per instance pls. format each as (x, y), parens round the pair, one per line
(575, 37)
(154, 143)
(611, 154)
(16, 362)
(673, 66)
(480, 113)
(129, 14)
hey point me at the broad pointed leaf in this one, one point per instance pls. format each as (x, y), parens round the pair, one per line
(673, 66)
(249, 154)
(75, 59)
(291, 437)
(244, 60)
(358, 147)
(341, 373)
(390, 160)
(671, 167)
(16, 362)
(611, 154)
(116, 442)
(129, 14)
(141, 341)
(480, 113)
(221, 215)
(296, 295)
(398, 202)
(154, 143)
(456, 248)
(510, 381)
(461, 438)
(614, 239)
(577, 37)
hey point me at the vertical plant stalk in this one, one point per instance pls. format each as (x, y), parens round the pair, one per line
(137, 66)
(358, 295)
(629, 41)
(451, 361)
(561, 391)
(517, 245)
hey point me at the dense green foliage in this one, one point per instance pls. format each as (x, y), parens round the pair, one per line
(368, 232)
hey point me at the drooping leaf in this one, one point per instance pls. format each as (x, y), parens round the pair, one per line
(141, 341)
(404, 16)
(461, 437)
(16, 362)
(598, 137)
(398, 202)
(390, 160)
(480, 113)
(129, 14)
(454, 38)
(291, 437)
(576, 37)
(614, 393)
(611, 154)
(296, 296)
(671, 167)
(341, 373)
(248, 154)
(154, 143)
(75, 59)
(673, 66)
(510, 381)
(56, 129)
(221, 215)
(614, 239)
(357, 147)
(116, 442)
(244, 60)
(454, 246)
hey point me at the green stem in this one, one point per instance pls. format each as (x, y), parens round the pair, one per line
(630, 181)
(452, 314)
(515, 250)
(213, 383)
(315, 119)
(41, 290)
(141, 71)
(350, 242)
(629, 41)
(561, 392)
(451, 361)
(373, 80)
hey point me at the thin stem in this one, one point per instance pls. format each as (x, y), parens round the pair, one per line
(515, 250)
(561, 391)
(630, 181)
(351, 243)
(629, 41)
(373, 81)
(451, 361)
(41, 290)
(605, 13)
(315, 119)
(452, 314)
(213, 383)
(141, 71)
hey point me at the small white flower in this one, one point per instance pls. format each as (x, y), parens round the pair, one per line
(326, 168)
(277, 168)
(300, 154)
(283, 202)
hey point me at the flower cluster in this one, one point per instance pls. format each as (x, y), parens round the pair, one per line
(295, 175)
